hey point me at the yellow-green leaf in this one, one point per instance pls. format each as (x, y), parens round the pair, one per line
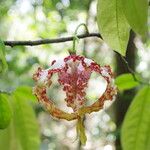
(126, 82)
(5, 112)
(136, 12)
(8, 139)
(26, 91)
(135, 133)
(26, 123)
(113, 25)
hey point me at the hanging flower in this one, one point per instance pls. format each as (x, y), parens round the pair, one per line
(73, 75)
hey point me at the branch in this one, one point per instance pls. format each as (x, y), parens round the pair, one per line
(48, 41)
(66, 39)
(133, 73)
(5, 92)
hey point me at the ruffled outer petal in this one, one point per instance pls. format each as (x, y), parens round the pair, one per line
(73, 75)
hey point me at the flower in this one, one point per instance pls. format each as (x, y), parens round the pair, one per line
(74, 72)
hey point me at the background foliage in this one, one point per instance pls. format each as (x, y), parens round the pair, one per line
(24, 125)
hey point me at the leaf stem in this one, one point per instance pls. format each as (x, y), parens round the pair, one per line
(131, 70)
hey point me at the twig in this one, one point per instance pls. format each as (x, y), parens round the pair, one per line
(133, 73)
(48, 41)
(5, 92)
(66, 39)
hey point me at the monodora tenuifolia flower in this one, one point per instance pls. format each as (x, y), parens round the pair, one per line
(74, 72)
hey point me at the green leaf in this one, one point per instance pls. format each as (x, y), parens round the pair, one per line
(136, 12)
(5, 112)
(136, 127)
(3, 63)
(5, 139)
(8, 139)
(126, 82)
(113, 25)
(26, 124)
(26, 91)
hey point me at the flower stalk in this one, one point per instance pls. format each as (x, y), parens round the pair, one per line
(75, 38)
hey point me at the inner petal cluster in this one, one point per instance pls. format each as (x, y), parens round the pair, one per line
(74, 79)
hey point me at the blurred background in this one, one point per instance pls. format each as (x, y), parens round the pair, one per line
(39, 19)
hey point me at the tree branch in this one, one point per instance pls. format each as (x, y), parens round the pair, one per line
(5, 92)
(133, 73)
(66, 39)
(50, 41)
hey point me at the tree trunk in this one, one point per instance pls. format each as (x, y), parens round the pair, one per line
(124, 99)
